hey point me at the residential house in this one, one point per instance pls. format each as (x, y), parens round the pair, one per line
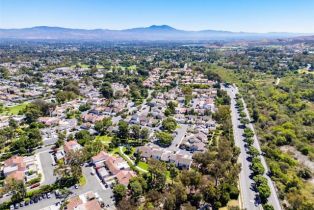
(87, 201)
(71, 146)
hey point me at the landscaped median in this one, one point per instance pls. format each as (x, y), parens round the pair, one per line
(257, 167)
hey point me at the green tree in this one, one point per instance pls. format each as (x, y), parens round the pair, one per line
(84, 107)
(136, 129)
(257, 166)
(106, 90)
(13, 123)
(157, 170)
(123, 132)
(4, 72)
(268, 207)
(164, 138)
(16, 187)
(103, 125)
(37, 109)
(119, 192)
(169, 124)
(83, 137)
(264, 192)
(136, 188)
(253, 152)
(173, 171)
(144, 133)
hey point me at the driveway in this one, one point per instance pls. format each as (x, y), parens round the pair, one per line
(181, 131)
(46, 161)
(94, 184)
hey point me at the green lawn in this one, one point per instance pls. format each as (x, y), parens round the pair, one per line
(133, 67)
(82, 181)
(105, 139)
(143, 165)
(82, 65)
(14, 110)
(305, 71)
(98, 66)
(115, 151)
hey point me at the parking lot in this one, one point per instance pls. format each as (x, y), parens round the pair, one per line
(93, 183)
(39, 204)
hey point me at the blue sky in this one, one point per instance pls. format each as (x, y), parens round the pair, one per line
(232, 15)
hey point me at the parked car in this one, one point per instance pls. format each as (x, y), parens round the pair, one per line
(48, 195)
(22, 204)
(76, 186)
(11, 207)
(35, 185)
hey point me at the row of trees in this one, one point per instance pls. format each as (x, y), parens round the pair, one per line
(256, 164)
(284, 117)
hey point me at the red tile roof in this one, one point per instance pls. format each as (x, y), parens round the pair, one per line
(17, 175)
(71, 145)
(92, 205)
(124, 177)
(102, 156)
(15, 161)
(110, 163)
(74, 202)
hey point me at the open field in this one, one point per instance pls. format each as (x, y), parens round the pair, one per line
(105, 139)
(305, 71)
(14, 110)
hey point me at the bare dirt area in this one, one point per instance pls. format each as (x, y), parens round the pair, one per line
(304, 160)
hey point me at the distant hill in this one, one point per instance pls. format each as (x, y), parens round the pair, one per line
(154, 32)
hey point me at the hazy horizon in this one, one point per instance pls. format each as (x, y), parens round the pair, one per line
(182, 29)
(241, 16)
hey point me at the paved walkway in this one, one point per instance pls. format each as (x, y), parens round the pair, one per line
(131, 161)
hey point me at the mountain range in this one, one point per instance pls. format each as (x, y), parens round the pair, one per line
(151, 33)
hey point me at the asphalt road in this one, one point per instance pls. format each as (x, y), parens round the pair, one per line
(42, 203)
(46, 162)
(249, 197)
(94, 184)
(181, 131)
